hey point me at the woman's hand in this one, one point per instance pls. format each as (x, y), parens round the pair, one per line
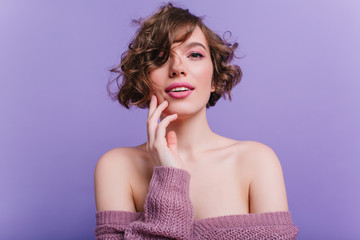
(162, 146)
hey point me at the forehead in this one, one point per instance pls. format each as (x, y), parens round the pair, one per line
(196, 36)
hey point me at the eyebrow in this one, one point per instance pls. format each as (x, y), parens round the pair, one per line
(193, 44)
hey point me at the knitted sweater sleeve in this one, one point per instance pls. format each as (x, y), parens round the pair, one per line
(168, 213)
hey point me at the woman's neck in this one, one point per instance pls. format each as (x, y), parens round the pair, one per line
(193, 133)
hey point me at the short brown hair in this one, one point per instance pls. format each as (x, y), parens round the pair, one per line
(156, 35)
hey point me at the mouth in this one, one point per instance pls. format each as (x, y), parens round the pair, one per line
(179, 90)
(179, 87)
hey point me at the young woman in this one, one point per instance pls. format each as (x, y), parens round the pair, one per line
(186, 182)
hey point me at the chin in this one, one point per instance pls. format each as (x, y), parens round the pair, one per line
(182, 111)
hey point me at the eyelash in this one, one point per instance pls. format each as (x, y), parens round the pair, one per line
(196, 55)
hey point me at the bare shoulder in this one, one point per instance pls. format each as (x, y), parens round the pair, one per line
(252, 152)
(112, 177)
(114, 156)
(256, 151)
(267, 187)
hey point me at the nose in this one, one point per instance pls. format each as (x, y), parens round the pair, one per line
(177, 69)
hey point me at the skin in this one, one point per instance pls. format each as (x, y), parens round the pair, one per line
(227, 176)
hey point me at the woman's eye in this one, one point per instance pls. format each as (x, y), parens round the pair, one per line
(196, 55)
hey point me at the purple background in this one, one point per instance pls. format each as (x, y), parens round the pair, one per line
(299, 95)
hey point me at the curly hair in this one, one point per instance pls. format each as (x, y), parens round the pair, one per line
(151, 47)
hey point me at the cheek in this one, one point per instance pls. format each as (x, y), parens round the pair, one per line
(155, 80)
(204, 74)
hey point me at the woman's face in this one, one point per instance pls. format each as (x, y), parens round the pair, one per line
(185, 80)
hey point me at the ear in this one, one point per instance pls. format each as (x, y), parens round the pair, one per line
(213, 87)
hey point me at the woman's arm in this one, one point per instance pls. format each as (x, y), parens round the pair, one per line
(113, 172)
(168, 212)
(113, 193)
(267, 187)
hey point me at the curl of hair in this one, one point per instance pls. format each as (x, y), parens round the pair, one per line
(156, 35)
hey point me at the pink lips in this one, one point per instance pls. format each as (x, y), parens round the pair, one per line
(182, 94)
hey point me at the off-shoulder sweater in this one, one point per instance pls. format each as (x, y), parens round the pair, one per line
(168, 214)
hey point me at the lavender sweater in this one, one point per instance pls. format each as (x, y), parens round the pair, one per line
(168, 214)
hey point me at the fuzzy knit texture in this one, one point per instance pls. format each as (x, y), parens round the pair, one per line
(168, 214)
